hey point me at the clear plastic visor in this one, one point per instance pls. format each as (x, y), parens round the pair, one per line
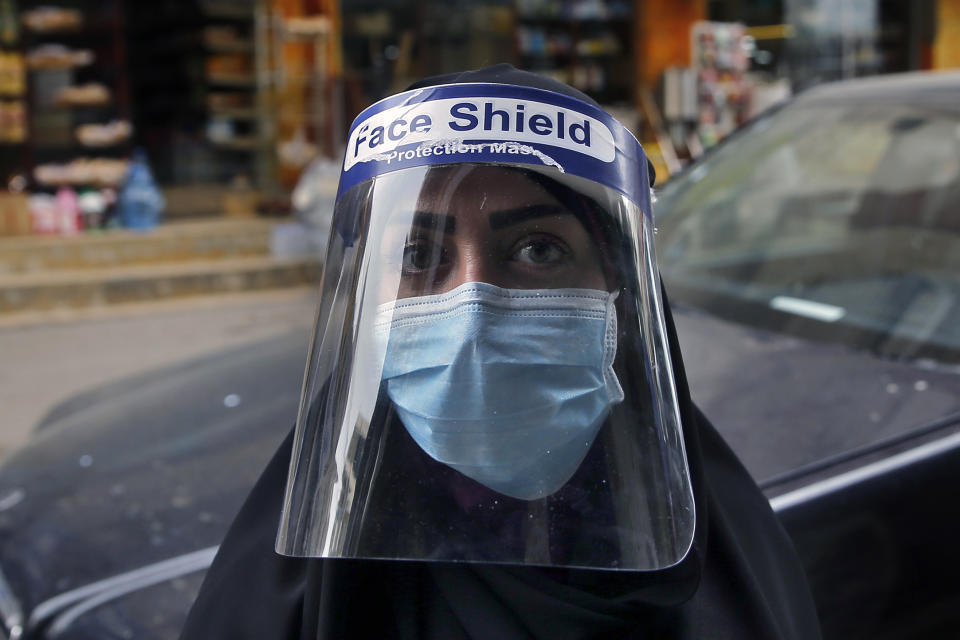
(490, 379)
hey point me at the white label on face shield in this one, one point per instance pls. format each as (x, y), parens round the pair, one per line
(504, 120)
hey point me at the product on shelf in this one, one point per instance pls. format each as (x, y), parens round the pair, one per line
(82, 171)
(104, 135)
(308, 26)
(224, 37)
(605, 44)
(9, 23)
(50, 19)
(232, 8)
(84, 95)
(229, 65)
(297, 151)
(13, 121)
(93, 207)
(220, 130)
(588, 77)
(140, 202)
(14, 214)
(44, 213)
(579, 42)
(12, 74)
(69, 209)
(536, 41)
(58, 56)
(574, 9)
(55, 214)
(225, 100)
(723, 88)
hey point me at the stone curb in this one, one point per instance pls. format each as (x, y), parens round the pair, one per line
(78, 289)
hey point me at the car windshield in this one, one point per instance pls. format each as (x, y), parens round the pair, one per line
(833, 222)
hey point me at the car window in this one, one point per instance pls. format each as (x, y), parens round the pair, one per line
(835, 222)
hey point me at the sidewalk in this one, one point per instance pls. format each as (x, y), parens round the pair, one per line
(177, 260)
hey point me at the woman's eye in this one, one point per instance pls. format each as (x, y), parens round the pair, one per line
(541, 251)
(421, 256)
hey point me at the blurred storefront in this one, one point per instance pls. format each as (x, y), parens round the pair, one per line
(221, 105)
(682, 73)
(945, 52)
(116, 113)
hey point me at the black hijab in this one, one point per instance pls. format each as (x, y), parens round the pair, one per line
(741, 579)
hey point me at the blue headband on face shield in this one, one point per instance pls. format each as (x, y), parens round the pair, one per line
(493, 124)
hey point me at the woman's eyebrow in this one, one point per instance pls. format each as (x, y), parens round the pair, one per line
(431, 220)
(507, 217)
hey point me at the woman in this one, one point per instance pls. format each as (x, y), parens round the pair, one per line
(496, 438)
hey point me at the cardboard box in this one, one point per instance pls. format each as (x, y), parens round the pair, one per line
(14, 215)
(241, 203)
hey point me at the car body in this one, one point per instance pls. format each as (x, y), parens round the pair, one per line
(813, 262)
(113, 510)
(111, 514)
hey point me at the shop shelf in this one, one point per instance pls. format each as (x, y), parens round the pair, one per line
(238, 113)
(245, 46)
(239, 143)
(225, 11)
(232, 79)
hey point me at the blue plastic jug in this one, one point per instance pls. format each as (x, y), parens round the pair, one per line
(140, 203)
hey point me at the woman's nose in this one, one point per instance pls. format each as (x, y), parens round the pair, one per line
(476, 265)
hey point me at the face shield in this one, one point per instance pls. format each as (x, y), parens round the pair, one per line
(489, 380)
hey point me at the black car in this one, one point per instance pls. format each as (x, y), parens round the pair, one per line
(812, 261)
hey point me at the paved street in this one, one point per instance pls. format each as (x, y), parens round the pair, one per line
(46, 358)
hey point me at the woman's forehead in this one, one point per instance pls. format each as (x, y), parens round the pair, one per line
(474, 187)
(444, 198)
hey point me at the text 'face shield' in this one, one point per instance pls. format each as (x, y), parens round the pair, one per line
(490, 378)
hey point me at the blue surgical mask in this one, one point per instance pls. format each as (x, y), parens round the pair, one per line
(507, 386)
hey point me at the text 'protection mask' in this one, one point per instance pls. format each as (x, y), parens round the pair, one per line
(490, 380)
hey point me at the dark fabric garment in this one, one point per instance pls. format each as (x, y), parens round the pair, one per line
(741, 581)
(504, 74)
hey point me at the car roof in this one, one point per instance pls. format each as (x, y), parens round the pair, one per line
(941, 88)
